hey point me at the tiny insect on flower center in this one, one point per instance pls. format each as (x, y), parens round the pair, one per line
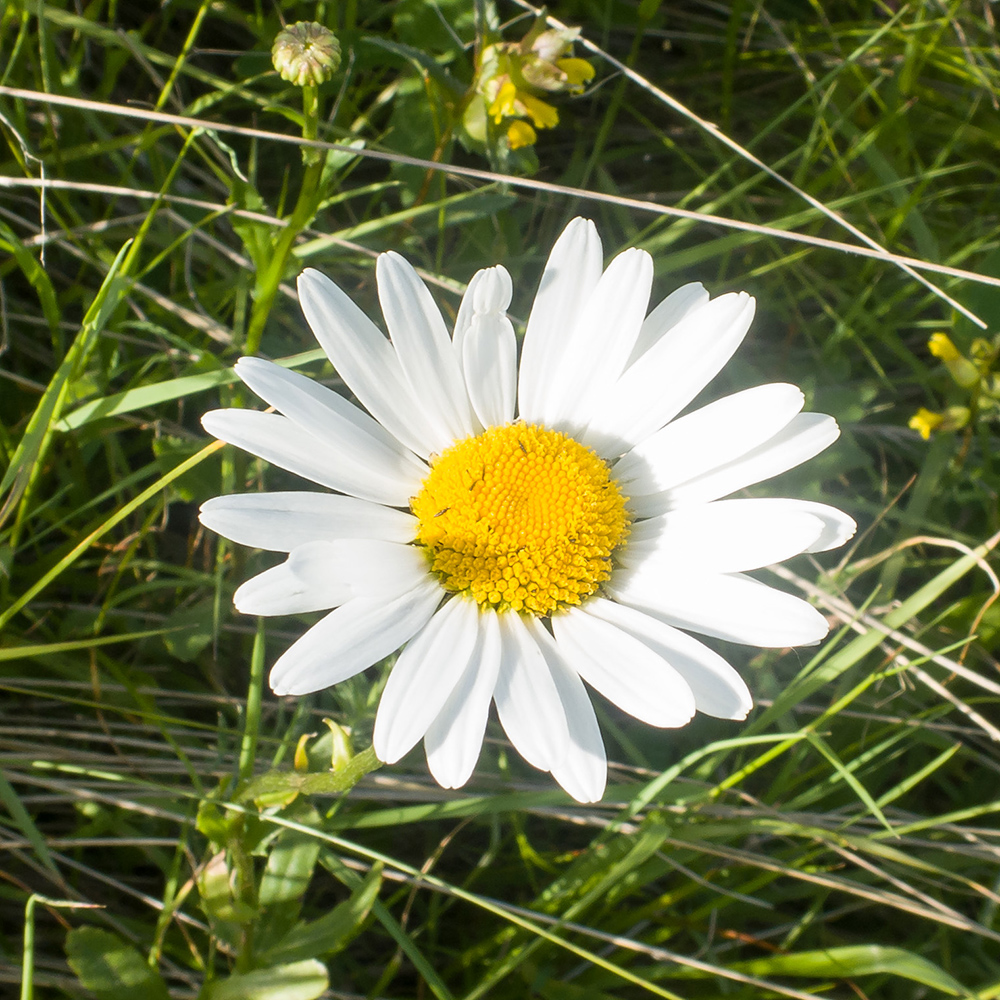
(520, 518)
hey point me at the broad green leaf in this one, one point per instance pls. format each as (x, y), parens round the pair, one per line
(289, 868)
(298, 981)
(110, 968)
(190, 630)
(331, 932)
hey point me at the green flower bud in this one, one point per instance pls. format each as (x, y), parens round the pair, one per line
(306, 54)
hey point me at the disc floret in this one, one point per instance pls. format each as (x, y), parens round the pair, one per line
(521, 518)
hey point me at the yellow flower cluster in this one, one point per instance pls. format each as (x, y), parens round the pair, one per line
(975, 374)
(512, 75)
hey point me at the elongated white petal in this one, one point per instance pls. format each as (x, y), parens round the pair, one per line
(732, 607)
(423, 346)
(280, 522)
(728, 536)
(455, 737)
(670, 374)
(488, 290)
(626, 671)
(803, 437)
(667, 315)
(718, 690)
(322, 574)
(528, 703)
(364, 565)
(423, 678)
(278, 591)
(583, 771)
(708, 438)
(329, 417)
(572, 271)
(838, 527)
(367, 362)
(599, 342)
(353, 637)
(337, 464)
(489, 349)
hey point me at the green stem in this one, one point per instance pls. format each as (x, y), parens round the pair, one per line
(251, 717)
(308, 201)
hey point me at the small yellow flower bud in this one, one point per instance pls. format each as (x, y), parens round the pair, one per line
(306, 54)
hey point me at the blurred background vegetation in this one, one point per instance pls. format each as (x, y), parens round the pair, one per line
(155, 208)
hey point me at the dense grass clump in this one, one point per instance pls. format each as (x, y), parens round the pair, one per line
(166, 834)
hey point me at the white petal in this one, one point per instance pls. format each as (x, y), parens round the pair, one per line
(423, 678)
(329, 417)
(528, 703)
(322, 574)
(280, 522)
(489, 349)
(732, 607)
(488, 289)
(667, 315)
(455, 737)
(805, 435)
(364, 565)
(583, 771)
(626, 671)
(278, 591)
(599, 342)
(670, 374)
(838, 527)
(728, 536)
(423, 346)
(353, 637)
(572, 271)
(339, 464)
(718, 690)
(367, 362)
(708, 438)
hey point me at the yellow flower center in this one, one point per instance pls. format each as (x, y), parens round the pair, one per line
(521, 518)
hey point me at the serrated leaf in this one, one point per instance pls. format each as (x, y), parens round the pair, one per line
(110, 968)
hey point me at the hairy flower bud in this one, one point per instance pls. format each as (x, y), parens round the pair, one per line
(306, 54)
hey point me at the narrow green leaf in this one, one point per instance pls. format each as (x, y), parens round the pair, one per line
(26, 825)
(35, 274)
(32, 447)
(856, 960)
(144, 396)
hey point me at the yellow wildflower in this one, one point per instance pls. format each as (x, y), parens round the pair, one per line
(941, 347)
(520, 134)
(924, 421)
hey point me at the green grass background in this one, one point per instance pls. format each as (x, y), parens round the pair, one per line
(844, 842)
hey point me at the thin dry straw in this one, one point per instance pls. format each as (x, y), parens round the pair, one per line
(908, 264)
(716, 133)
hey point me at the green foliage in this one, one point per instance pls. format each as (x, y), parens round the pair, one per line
(842, 842)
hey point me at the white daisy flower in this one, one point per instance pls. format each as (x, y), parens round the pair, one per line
(519, 531)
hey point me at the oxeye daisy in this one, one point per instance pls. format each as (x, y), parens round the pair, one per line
(523, 530)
